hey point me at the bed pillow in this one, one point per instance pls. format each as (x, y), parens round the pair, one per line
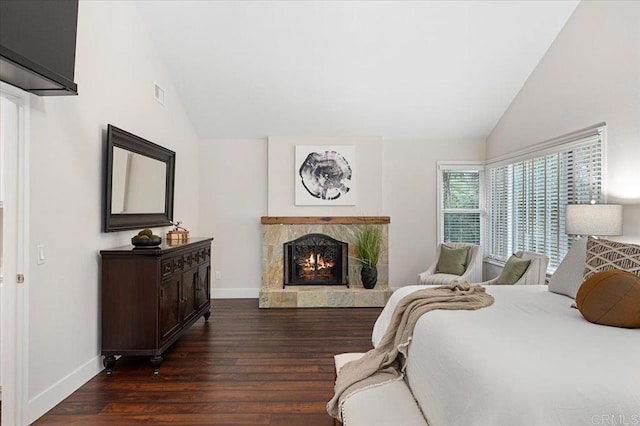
(452, 260)
(604, 255)
(514, 269)
(611, 298)
(570, 273)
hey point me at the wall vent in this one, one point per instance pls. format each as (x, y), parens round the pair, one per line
(158, 93)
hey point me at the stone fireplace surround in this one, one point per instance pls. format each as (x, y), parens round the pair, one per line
(278, 230)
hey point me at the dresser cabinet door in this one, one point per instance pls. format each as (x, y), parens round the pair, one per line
(202, 285)
(169, 307)
(189, 279)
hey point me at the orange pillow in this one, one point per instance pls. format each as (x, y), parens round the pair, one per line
(611, 298)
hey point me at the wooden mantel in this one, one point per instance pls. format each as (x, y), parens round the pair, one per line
(331, 220)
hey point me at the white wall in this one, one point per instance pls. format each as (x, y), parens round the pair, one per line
(116, 68)
(590, 74)
(233, 197)
(410, 198)
(282, 173)
(400, 181)
(1, 284)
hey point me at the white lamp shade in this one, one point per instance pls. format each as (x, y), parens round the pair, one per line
(594, 219)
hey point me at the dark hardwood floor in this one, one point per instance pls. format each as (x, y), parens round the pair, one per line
(245, 366)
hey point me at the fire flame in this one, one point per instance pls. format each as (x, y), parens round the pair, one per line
(316, 262)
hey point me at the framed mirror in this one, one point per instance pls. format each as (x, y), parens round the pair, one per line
(139, 182)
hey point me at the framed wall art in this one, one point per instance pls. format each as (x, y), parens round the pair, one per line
(325, 175)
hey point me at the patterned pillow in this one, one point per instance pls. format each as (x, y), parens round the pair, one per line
(604, 255)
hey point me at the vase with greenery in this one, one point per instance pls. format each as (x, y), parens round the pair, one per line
(368, 246)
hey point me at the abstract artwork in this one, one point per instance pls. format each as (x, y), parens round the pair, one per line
(325, 175)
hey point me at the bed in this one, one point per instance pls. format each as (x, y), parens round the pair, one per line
(529, 359)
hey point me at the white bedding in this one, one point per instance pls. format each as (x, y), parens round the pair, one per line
(529, 359)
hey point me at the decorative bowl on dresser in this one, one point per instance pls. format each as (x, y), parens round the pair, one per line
(150, 297)
(149, 242)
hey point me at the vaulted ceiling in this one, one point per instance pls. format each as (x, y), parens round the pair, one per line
(399, 69)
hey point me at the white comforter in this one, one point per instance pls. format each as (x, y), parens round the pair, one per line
(529, 359)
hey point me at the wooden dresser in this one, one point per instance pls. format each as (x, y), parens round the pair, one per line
(150, 296)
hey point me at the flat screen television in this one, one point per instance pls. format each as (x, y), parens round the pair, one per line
(38, 45)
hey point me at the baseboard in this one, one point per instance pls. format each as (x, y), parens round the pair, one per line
(235, 293)
(56, 393)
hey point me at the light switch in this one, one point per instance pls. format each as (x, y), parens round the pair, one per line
(40, 254)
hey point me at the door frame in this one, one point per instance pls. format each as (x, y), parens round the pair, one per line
(14, 300)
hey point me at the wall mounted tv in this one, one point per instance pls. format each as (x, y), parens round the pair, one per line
(38, 45)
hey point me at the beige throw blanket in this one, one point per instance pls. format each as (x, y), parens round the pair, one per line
(388, 360)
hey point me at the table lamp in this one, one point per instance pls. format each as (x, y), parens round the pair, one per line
(594, 219)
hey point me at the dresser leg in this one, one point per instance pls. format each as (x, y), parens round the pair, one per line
(207, 315)
(109, 361)
(155, 362)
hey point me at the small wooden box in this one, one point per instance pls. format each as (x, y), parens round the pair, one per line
(177, 236)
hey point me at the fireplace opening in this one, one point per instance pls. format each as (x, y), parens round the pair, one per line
(316, 259)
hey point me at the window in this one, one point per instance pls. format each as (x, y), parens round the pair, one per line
(460, 202)
(527, 195)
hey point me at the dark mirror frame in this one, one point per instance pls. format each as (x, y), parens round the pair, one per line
(119, 222)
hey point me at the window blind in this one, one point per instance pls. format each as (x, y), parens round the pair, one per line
(461, 206)
(527, 197)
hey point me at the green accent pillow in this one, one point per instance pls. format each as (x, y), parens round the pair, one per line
(513, 270)
(452, 260)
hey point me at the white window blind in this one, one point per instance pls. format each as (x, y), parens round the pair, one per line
(460, 218)
(527, 197)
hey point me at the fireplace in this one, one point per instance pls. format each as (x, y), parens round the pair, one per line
(279, 235)
(316, 259)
